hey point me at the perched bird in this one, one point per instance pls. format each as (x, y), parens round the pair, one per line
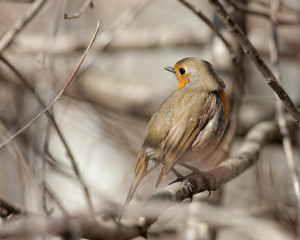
(193, 117)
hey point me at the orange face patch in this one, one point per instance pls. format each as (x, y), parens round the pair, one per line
(182, 79)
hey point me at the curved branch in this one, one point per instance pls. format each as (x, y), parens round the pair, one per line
(108, 228)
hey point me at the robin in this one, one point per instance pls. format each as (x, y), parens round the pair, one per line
(193, 117)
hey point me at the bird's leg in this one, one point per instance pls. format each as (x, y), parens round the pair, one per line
(180, 177)
(201, 174)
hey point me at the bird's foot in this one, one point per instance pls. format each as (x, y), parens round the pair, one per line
(201, 174)
(182, 178)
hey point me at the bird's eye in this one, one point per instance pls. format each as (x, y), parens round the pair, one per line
(181, 71)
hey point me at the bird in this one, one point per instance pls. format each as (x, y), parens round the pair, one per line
(193, 117)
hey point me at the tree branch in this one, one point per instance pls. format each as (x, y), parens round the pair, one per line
(87, 3)
(108, 228)
(250, 50)
(7, 39)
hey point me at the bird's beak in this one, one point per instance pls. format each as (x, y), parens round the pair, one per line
(170, 69)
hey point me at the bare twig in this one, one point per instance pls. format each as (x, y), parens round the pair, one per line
(30, 174)
(25, 170)
(242, 7)
(13, 136)
(236, 60)
(211, 26)
(20, 24)
(256, 59)
(48, 113)
(285, 134)
(87, 3)
(121, 22)
(44, 165)
(55, 198)
(284, 6)
(125, 18)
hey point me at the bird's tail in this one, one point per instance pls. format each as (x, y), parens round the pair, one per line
(139, 172)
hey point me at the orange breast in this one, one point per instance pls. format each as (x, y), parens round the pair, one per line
(224, 104)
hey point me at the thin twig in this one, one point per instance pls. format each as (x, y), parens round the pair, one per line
(44, 165)
(108, 35)
(52, 195)
(284, 6)
(242, 7)
(25, 170)
(250, 50)
(7, 39)
(48, 113)
(30, 174)
(211, 26)
(48, 108)
(236, 60)
(87, 3)
(285, 134)
(125, 18)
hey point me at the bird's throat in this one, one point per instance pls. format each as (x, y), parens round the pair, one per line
(182, 81)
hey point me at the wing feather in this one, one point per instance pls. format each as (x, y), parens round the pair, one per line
(181, 135)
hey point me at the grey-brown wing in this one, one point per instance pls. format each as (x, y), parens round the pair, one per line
(181, 135)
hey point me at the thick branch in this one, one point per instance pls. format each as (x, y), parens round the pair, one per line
(126, 229)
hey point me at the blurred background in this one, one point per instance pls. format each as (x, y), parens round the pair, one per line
(100, 121)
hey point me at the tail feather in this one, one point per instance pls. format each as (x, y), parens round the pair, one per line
(139, 172)
(161, 177)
